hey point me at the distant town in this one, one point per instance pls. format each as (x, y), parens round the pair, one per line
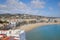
(14, 21)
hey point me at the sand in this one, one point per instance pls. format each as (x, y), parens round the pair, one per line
(29, 27)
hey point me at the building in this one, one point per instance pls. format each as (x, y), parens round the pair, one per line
(13, 34)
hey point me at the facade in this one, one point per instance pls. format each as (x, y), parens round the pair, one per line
(12, 34)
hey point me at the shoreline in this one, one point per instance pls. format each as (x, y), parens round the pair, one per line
(29, 27)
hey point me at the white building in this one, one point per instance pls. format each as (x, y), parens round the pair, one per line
(14, 34)
(12, 23)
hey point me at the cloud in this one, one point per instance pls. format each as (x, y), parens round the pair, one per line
(2, 6)
(13, 6)
(59, 4)
(16, 6)
(38, 4)
(50, 8)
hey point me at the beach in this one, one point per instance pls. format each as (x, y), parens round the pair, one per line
(29, 27)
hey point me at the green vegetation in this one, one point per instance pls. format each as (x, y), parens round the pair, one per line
(3, 22)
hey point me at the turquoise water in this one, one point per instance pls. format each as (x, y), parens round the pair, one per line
(48, 32)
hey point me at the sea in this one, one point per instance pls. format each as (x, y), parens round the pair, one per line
(46, 32)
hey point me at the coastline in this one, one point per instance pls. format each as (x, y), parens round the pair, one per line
(29, 27)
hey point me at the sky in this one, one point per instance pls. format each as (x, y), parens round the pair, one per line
(50, 8)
